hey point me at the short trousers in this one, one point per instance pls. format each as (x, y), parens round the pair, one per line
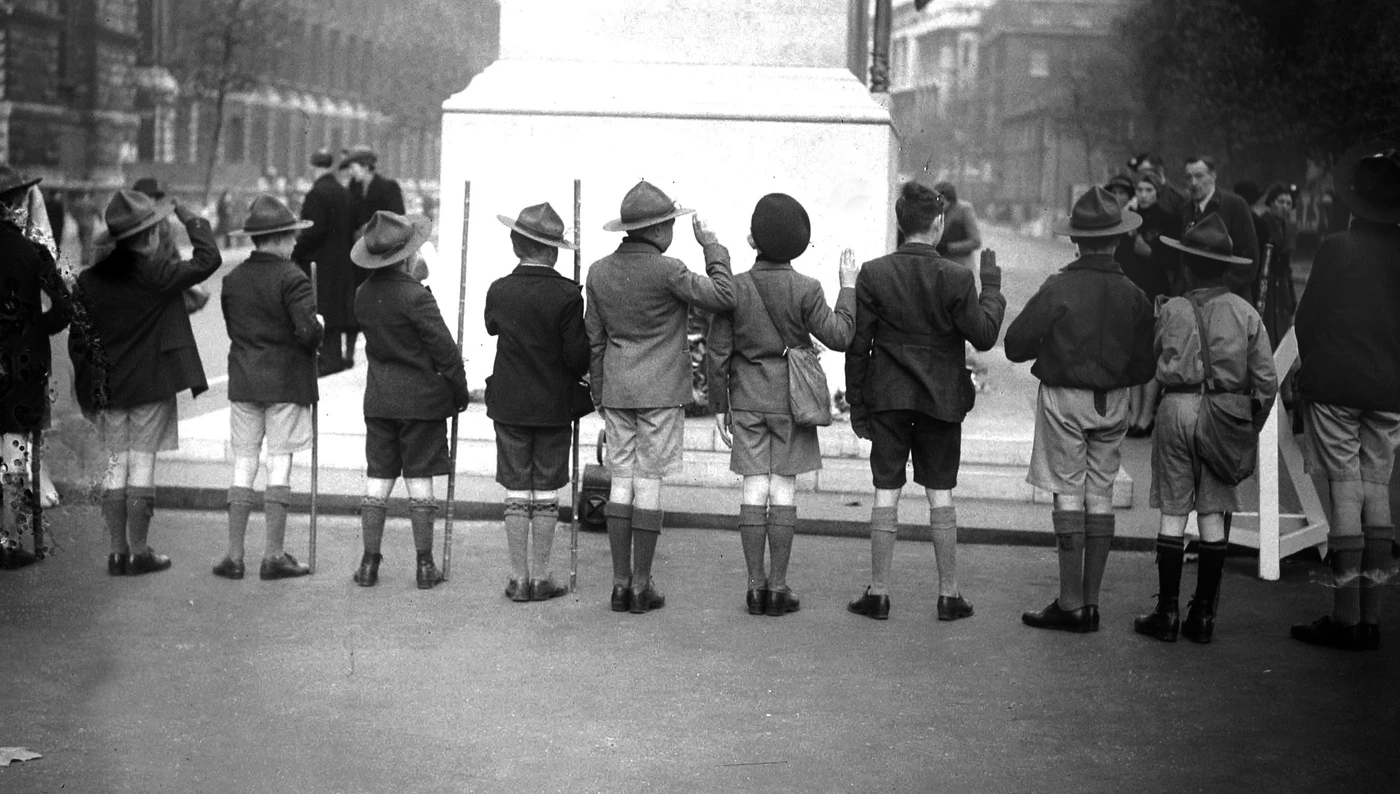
(935, 446)
(644, 442)
(1351, 444)
(532, 458)
(1180, 482)
(772, 444)
(413, 448)
(287, 427)
(1076, 450)
(150, 427)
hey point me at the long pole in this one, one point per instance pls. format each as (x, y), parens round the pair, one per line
(315, 432)
(573, 509)
(452, 437)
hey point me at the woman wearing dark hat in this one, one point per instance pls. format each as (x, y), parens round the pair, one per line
(1153, 267)
(414, 384)
(748, 372)
(1241, 362)
(541, 352)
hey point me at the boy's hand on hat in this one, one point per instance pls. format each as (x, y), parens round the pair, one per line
(991, 274)
(850, 269)
(703, 235)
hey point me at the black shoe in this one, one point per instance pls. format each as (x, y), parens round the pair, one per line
(150, 562)
(781, 602)
(116, 564)
(1324, 631)
(367, 575)
(621, 598)
(954, 607)
(1052, 617)
(757, 599)
(428, 573)
(871, 606)
(284, 567)
(1370, 635)
(228, 568)
(646, 599)
(518, 590)
(545, 589)
(1163, 622)
(1200, 621)
(1093, 610)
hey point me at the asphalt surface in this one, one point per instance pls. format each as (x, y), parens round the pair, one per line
(180, 681)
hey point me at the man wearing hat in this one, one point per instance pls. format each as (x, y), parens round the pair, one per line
(133, 297)
(1205, 199)
(415, 383)
(541, 353)
(1349, 347)
(1241, 362)
(273, 332)
(372, 191)
(1089, 331)
(640, 372)
(961, 237)
(326, 241)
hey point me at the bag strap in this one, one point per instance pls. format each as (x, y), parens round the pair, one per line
(777, 326)
(1205, 344)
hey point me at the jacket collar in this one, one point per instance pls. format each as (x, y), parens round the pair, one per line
(542, 271)
(265, 257)
(632, 245)
(1102, 263)
(392, 274)
(918, 249)
(1200, 296)
(764, 264)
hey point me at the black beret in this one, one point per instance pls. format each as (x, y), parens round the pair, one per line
(780, 227)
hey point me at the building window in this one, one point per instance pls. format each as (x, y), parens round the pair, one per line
(1040, 63)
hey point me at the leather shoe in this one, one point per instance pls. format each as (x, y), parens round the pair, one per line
(428, 573)
(367, 575)
(954, 607)
(1162, 623)
(229, 568)
(871, 606)
(150, 562)
(518, 590)
(284, 567)
(781, 602)
(757, 600)
(545, 589)
(1052, 617)
(1324, 631)
(646, 599)
(1199, 624)
(621, 598)
(116, 564)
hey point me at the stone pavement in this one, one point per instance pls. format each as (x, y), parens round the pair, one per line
(183, 682)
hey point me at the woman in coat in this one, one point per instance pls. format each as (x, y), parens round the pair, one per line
(748, 378)
(1154, 268)
(1278, 297)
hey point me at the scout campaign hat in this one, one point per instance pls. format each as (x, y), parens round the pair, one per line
(1210, 239)
(1368, 181)
(645, 205)
(130, 212)
(150, 186)
(1096, 214)
(390, 239)
(780, 227)
(268, 215)
(12, 180)
(541, 224)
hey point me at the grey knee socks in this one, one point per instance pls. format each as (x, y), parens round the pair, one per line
(275, 501)
(544, 520)
(1069, 542)
(753, 531)
(372, 513)
(240, 507)
(517, 526)
(782, 526)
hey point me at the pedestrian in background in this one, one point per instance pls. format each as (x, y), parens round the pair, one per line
(1280, 297)
(327, 241)
(370, 192)
(1205, 199)
(961, 236)
(748, 379)
(541, 353)
(909, 388)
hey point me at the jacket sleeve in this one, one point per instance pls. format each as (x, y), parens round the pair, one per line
(61, 300)
(978, 317)
(973, 241)
(312, 209)
(1316, 296)
(493, 325)
(862, 344)
(175, 275)
(393, 197)
(573, 334)
(301, 309)
(1142, 359)
(1029, 329)
(597, 343)
(719, 349)
(1262, 375)
(832, 328)
(712, 292)
(437, 341)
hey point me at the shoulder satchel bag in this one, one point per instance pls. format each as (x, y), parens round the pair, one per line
(1225, 435)
(809, 399)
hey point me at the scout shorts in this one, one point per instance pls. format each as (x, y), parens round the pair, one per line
(1076, 450)
(1352, 444)
(532, 458)
(286, 426)
(644, 442)
(772, 444)
(935, 446)
(149, 427)
(413, 448)
(1180, 482)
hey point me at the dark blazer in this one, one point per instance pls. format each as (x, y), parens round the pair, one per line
(747, 368)
(961, 237)
(1239, 221)
(415, 370)
(381, 193)
(1088, 327)
(25, 357)
(1347, 322)
(138, 315)
(542, 349)
(636, 320)
(272, 330)
(915, 312)
(329, 206)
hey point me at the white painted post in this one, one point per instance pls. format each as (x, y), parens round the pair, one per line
(1268, 497)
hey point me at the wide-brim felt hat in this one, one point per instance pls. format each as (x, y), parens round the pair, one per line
(12, 180)
(269, 215)
(1368, 181)
(1097, 213)
(645, 205)
(389, 239)
(130, 213)
(541, 224)
(150, 186)
(1208, 238)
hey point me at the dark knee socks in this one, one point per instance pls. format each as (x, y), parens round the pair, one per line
(782, 525)
(1098, 540)
(1377, 564)
(240, 507)
(141, 505)
(1069, 542)
(114, 509)
(1208, 571)
(372, 513)
(544, 520)
(275, 501)
(884, 524)
(753, 532)
(1170, 552)
(646, 531)
(421, 514)
(1345, 553)
(620, 540)
(517, 526)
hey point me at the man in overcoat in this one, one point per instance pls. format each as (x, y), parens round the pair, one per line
(373, 192)
(326, 241)
(1206, 198)
(909, 388)
(134, 300)
(640, 372)
(273, 333)
(961, 236)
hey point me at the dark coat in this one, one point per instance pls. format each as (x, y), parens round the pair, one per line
(137, 311)
(961, 237)
(747, 367)
(25, 357)
(915, 312)
(415, 369)
(542, 349)
(1348, 324)
(636, 320)
(330, 207)
(1239, 221)
(272, 330)
(381, 194)
(1153, 274)
(1088, 327)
